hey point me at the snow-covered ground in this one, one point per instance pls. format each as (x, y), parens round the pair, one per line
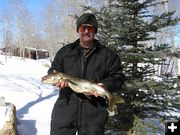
(20, 84)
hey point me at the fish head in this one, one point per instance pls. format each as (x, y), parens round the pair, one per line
(52, 78)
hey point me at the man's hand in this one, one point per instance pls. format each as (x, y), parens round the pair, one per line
(94, 93)
(102, 85)
(62, 84)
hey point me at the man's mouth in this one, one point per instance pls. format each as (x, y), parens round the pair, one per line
(86, 35)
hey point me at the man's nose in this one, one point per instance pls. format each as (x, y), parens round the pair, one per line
(86, 30)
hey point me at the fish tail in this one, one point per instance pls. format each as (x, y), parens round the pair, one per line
(118, 100)
(112, 103)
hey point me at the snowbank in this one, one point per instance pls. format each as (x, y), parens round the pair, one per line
(20, 84)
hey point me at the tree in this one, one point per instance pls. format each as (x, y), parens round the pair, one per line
(59, 26)
(7, 32)
(126, 26)
(23, 26)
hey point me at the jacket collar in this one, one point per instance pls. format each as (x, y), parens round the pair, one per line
(96, 44)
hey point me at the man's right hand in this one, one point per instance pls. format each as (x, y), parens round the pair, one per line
(62, 84)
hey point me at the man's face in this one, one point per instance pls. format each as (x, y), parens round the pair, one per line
(86, 32)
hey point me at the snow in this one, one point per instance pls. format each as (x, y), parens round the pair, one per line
(20, 84)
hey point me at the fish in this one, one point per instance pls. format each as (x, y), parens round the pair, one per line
(86, 87)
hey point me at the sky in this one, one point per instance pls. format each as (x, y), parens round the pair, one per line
(37, 5)
(34, 6)
(31, 4)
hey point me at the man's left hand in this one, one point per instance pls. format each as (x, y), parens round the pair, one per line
(94, 93)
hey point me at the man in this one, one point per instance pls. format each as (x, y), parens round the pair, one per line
(85, 58)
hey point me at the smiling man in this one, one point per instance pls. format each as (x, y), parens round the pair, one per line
(85, 58)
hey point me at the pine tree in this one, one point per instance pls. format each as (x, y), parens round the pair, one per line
(126, 26)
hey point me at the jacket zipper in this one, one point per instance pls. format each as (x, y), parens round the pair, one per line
(83, 66)
(84, 62)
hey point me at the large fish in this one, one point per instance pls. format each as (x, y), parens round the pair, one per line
(86, 87)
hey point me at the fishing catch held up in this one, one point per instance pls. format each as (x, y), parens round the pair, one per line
(84, 86)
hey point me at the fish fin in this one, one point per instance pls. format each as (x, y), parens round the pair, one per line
(111, 104)
(118, 100)
(89, 97)
(114, 112)
(86, 93)
(113, 101)
(92, 81)
(71, 82)
(54, 71)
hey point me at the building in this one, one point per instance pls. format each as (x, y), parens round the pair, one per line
(29, 52)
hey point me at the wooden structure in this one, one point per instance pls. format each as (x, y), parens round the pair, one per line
(28, 52)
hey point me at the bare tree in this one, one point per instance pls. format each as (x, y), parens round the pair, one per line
(20, 15)
(59, 25)
(7, 30)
